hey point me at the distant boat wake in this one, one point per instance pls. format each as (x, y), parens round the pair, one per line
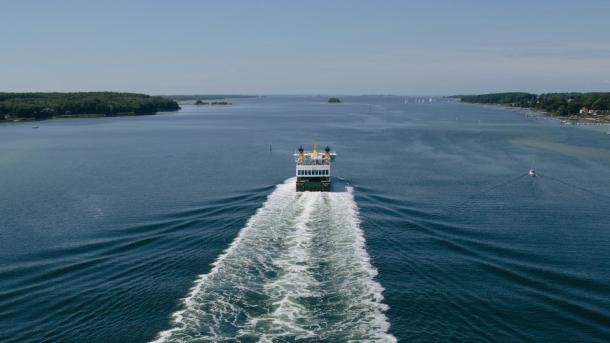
(298, 270)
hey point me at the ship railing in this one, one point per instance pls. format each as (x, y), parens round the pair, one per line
(314, 163)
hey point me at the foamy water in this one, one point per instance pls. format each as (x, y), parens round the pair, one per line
(298, 270)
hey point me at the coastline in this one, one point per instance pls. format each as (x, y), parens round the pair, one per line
(570, 120)
(35, 106)
(77, 116)
(592, 108)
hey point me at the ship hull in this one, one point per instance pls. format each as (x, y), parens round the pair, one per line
(313, 184)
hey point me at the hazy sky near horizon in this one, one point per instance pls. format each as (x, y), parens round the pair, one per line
(305, 47)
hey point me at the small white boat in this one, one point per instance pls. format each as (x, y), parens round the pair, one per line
(531, 172)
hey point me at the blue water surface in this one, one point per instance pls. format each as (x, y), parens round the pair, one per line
(106, 224)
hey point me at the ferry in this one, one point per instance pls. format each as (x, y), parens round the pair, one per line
(313, 169)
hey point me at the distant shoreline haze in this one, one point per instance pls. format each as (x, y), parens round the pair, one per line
(16, 106)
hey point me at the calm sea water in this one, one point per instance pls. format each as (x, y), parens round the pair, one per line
(186, 227)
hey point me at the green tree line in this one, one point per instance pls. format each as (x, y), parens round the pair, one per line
(46, 105)
(556, 103)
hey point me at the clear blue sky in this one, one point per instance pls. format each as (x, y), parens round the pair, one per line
(305, 47)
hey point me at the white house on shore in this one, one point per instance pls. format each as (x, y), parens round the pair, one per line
(586, 110)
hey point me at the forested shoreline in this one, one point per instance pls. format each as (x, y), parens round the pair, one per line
(560, 104)
(39, 106)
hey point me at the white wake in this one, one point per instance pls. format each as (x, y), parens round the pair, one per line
(298, 270)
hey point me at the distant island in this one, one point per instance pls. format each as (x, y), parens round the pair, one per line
(39, 106)
(334, 100)
(593, 107)
(200, 102)
(204, 97)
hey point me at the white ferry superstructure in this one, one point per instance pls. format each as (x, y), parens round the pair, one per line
(313, 169)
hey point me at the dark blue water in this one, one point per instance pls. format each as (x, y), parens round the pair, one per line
(185, 227)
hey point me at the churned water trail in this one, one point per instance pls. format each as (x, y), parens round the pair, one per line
(298, 270)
